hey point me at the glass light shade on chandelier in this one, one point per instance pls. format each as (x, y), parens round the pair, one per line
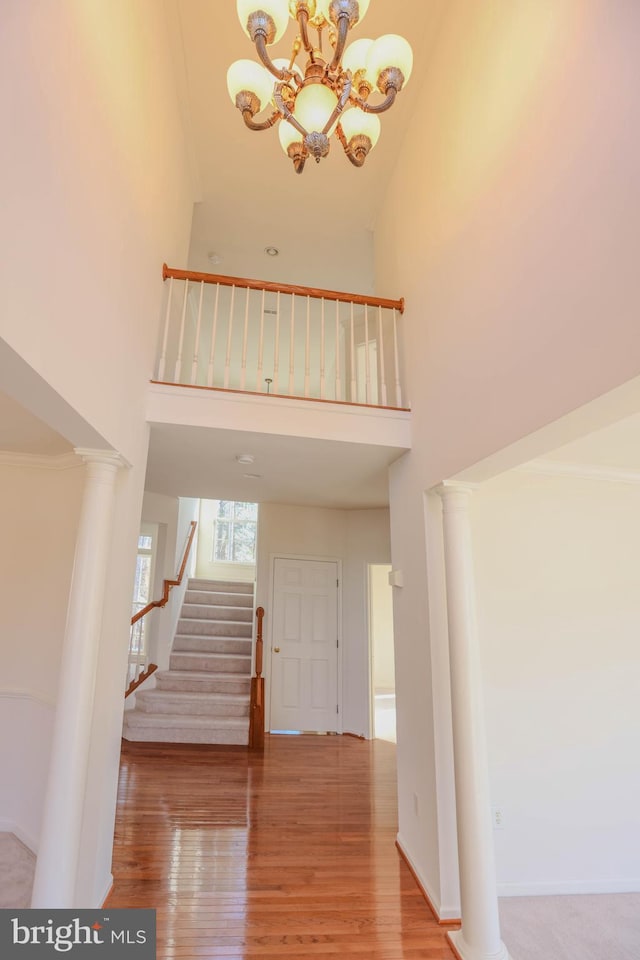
(331, 92)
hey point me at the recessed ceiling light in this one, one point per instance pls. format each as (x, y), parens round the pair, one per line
(214, 257)
(245, 458)
(271, 251)
(252, 476)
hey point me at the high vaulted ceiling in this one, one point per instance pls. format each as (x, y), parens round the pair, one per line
(321, 220)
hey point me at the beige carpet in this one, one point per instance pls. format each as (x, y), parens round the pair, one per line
(603, 927)
(17, 864)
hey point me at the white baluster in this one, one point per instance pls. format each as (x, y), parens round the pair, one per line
(196, 351)
(396, 360)
(292, 334)
(276, 347)
(214, 330)
(260, 347)
(307, 360)
(178, 366)
(338, 339)
(367, 369)
(383, 381)
(167, 319)
(322, 350)
(354, 393)
(243, 375)
(227, 361)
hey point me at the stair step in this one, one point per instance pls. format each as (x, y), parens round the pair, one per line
(196, 643)
(228, 586)
(198, 682)
(220, 706)
(243, 600)
(214, 628)
(174, 728)
(211, 662)
(216, 611)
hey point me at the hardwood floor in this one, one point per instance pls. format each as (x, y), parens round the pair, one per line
(274, 856)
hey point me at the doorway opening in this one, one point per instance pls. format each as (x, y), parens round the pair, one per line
(383, 680)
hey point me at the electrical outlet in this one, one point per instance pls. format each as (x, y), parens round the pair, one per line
(497, 817)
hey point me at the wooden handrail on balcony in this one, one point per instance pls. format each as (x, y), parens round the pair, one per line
(168, 585)
(256, 336)
(315, 292)
(256, 704)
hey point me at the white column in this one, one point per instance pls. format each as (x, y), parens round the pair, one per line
(479, 938)
(56, 867)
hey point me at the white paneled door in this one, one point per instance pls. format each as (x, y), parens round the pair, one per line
(304, 648)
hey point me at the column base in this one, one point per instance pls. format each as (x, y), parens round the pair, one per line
(463, 951)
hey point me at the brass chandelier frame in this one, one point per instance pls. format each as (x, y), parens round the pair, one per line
(350, 90)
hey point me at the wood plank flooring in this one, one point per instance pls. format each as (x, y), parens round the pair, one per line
(274, 856)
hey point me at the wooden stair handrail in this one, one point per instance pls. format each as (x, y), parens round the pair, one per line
(141, 679)
(315, 292)
(167, 587)
(169, 584)
(256, 703)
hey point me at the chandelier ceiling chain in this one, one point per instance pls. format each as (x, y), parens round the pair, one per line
(331, 94)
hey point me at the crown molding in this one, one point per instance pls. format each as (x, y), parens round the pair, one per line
(580, 471)
(37, 461)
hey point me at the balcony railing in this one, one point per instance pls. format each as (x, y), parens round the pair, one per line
(229, 333)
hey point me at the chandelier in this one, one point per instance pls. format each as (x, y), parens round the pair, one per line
(331, 94)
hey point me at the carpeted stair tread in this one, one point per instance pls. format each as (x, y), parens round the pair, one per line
(217, 611)
(188, 703)
(221, 586)
(243, 601)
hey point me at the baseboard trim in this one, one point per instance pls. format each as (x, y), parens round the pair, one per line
(555, 888)
(108, 890)
(10, 826)
(444, 916)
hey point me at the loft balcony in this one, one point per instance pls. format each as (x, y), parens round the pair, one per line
(231, 334)
(248, 359)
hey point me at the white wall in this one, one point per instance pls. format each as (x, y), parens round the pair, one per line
(99, 197)
(509, 224)
(356, 538)
(509, 228)
(39, 511)
(559, 614)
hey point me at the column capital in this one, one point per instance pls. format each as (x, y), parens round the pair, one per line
(449, 488)
(94, 455)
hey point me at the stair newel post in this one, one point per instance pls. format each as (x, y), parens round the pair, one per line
(256, 707)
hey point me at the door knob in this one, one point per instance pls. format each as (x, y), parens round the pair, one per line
(276, 649)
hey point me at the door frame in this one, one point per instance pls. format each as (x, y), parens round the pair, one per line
(369, 621)
(269, 631)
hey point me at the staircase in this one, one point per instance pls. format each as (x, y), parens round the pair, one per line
(204, 695)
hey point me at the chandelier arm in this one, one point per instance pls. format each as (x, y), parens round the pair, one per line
(379, 107)
(261, 50)
(285, 112)
(343, 30)
(299, 162)
(339, 106)
(303, 21)
(247, 116)
(356, 161)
